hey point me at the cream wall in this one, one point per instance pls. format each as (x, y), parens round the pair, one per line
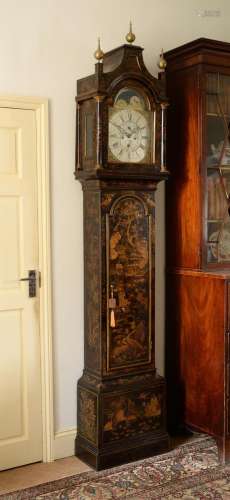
(45, 45)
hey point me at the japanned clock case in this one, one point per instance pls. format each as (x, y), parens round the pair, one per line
(198, 239)
(119, 161)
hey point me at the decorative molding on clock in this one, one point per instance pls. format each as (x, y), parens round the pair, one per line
(64, 442)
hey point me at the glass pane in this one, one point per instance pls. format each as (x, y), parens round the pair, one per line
(212, 253)
(214, 229)
(224, 93)
(212, 82)
(218, 84)
(224, 242)
(89, 137)
(217, 188)
(219, 242)
(212, 86)
(215, 140)
(218, 220)
(218, 168)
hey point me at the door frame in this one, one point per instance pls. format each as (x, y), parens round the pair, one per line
(40, 106)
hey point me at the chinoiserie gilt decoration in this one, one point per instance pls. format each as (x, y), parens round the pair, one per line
(120, 158)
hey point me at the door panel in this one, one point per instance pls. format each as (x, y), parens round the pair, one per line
(8, 150)
(11, 374)
(20, 380)
(10, 244)
(129, 267)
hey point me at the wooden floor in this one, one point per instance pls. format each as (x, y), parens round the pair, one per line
(34, 474)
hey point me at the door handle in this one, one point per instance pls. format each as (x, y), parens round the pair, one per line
(32, 279)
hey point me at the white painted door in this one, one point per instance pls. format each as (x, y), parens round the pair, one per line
(20, 378)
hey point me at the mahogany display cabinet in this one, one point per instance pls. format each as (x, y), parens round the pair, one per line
(198, 239)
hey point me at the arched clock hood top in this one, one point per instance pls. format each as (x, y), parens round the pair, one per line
(116, 63)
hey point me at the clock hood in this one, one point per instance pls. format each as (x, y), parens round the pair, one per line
(125, 60)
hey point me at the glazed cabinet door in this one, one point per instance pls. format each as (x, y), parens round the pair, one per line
(217, 169)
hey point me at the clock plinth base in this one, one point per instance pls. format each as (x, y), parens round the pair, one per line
(120, 420)
(103, 459)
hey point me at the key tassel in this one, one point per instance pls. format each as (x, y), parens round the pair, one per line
(112, 319)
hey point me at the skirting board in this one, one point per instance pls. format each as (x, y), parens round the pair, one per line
(64, 443)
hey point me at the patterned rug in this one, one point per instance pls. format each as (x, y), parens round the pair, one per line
(190, 472)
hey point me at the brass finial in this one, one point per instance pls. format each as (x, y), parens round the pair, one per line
(162, 63)
(99, 54)
(130, 37)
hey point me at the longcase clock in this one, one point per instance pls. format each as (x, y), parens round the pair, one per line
(119, 162)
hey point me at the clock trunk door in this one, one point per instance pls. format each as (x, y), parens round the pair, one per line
(130, 257)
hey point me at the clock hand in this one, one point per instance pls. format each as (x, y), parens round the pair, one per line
(128, 133)
(118, 127)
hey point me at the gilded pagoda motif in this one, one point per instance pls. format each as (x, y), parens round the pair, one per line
(129, 271)
(131, 415)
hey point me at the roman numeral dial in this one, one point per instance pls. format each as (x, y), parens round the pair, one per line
(129, 135)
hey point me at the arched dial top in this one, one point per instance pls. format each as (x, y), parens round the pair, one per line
(131, 128)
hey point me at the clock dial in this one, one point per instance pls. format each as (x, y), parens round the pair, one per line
(129, 135)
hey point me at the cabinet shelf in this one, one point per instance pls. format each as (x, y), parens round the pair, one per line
(217, 115)
(215, 221)
(216, 167)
